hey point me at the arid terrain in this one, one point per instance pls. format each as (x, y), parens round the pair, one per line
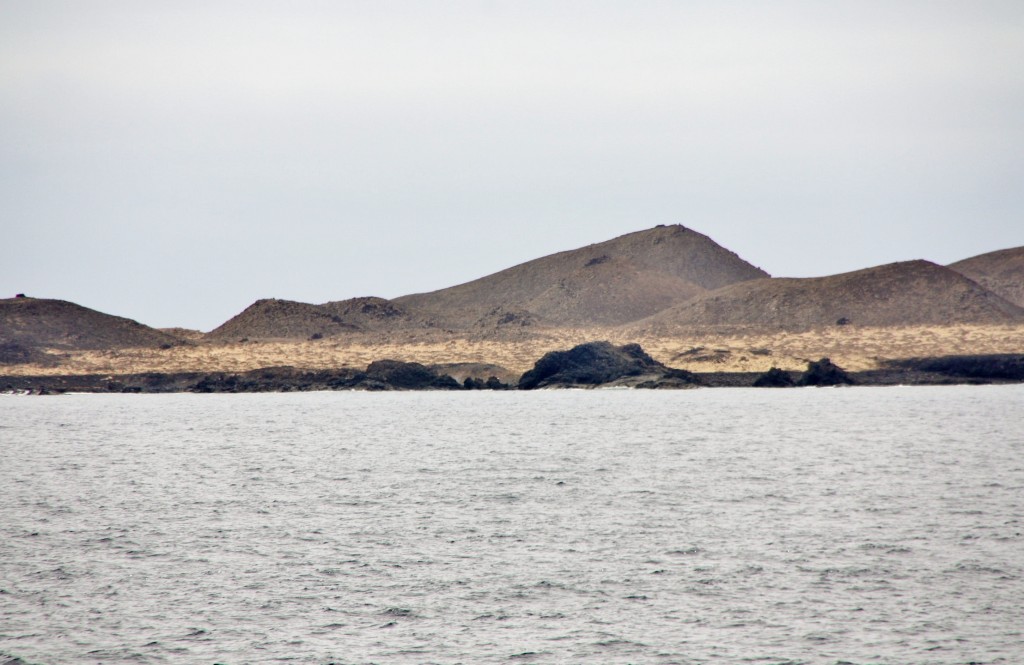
(688, 302)
(852, 347)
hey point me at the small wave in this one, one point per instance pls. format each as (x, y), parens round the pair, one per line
(618, 643)
(398, 612)
(528, 655)
(12, 660)
(888, 549)
(972, 567)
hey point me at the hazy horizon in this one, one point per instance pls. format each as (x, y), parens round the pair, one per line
(174, 163)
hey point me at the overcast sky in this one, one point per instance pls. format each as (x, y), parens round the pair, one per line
(172, 162)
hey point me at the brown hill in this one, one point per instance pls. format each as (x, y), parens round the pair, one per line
(36, 323)
(897, 294)
(613, 282)
(286, 319)
(1001, 272)
(371, 313)
(278, 319)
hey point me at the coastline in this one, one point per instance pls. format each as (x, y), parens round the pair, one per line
(938, 370)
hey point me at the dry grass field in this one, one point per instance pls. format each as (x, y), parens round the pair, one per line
(852, 347)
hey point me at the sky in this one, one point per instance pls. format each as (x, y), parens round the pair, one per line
(173, 162)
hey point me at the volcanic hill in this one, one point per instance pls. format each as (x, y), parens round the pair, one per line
(1001, 272)
(608, 283)
(287, 319)
(897, 294)
(28, 325)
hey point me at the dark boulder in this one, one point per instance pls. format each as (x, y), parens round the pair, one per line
(476, 383)
(409, 376)
(494, 383)
(599, 363)
(774, 378)
(824, 373)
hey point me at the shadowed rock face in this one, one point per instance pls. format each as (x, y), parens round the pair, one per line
(601, 363)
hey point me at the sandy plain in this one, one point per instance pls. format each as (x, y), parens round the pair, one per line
(852, 347)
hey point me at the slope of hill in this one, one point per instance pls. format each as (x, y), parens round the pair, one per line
(371, 313)
(36, 323)
(278, 319)
(612, 282)
(286, 319)
(897, 294)
(1001, 272)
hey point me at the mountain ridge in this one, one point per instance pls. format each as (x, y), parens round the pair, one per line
(641, 283)
(905, 293)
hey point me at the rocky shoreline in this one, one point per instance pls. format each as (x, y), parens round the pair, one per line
(590, 365)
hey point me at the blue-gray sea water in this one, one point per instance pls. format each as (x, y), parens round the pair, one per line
(854, 525)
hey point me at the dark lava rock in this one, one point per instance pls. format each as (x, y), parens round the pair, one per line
(671, 379)
(492, 383)
(600, 363)
(409, 376)
(268, 379)
(979, 368)
(824, 373)
(774, 378)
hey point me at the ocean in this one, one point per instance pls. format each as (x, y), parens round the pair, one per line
(844, 525)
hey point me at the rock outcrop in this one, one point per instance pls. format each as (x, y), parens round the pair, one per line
(824, 373)
(398, 375)
(602, 364)
(774, 378)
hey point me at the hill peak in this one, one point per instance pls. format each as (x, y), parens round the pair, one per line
(51, 323)
(606, 283)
